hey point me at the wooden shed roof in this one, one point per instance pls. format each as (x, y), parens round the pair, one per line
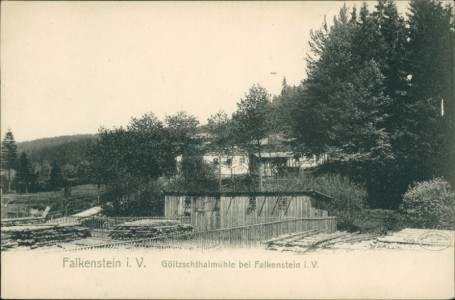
(313, 194)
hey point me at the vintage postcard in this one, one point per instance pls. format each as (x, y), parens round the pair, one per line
(227, 150)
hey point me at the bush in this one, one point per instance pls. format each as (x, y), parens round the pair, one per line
(378, 221)
(429, 204)
(348, 197)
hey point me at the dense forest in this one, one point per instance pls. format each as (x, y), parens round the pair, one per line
(66, 155)
(378, 102)
(63, 149)
(379, 97)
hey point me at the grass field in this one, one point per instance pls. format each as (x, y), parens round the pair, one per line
(19, 205)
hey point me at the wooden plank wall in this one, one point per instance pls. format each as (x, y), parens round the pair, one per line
(203, 214)
(171, 206)
(233, 211)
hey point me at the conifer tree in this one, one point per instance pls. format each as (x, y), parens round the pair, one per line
(9, 155)
(23, 175)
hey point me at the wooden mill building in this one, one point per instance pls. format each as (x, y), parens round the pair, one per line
(209, 211)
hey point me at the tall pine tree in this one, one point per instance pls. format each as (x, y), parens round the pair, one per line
(9, 155)
(374, 95)
(428, 140)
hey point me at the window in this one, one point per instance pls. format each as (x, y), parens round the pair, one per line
(187, 206)
(282, 203)
(251, 205)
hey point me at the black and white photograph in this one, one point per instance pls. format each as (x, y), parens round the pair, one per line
(227, 149)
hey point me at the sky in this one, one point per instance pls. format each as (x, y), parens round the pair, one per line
(71, 67)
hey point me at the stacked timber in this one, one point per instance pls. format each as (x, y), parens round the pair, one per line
(23, 221)
(287, 239)
(149, 229)
(410, 237)
(312, 239)
(347, 241)
(37, 235)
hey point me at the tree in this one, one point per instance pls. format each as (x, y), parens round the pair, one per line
(9, 155)
(343, 107)
(373, 97)
(196, 174)
(56, 177)
(220, 129)
(316, 110)
(427, 145)
(182, 129)
(150, 150)
(281, 108)
(24, 176)
(252, 122)
(129, 160)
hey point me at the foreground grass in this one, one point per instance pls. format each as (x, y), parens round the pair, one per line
(80, 197)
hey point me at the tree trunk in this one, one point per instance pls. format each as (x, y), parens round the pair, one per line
(9, 180)
(98, 193)
(260, 166)
(219, 171)
(260, 175)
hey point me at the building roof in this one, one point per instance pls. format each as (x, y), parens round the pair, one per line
(314, 194)
(275, 155)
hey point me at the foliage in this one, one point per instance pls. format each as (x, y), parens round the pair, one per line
(134, 198)
(251, 120)
(348, 197)
(143, 150)
(246, 182)
(426, 145)
(9, 152)
(62, 149)
(378, 101)
(368, 101)
(24, 178)
(129, 160)
(429, 204)
(375, 220)
(221, 138)
(9, 155)
(220, 129)
(69, 152)
(182, 128)
(196, 175)
(81, 196)
(281, 108)
(56, 179)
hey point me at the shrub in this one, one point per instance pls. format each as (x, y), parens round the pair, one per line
(378, 220)
(348, 197)
(429, 204)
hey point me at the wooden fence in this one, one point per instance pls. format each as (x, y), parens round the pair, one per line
(107, 223)
(242, 236)
(210, 211)
(64, 220)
